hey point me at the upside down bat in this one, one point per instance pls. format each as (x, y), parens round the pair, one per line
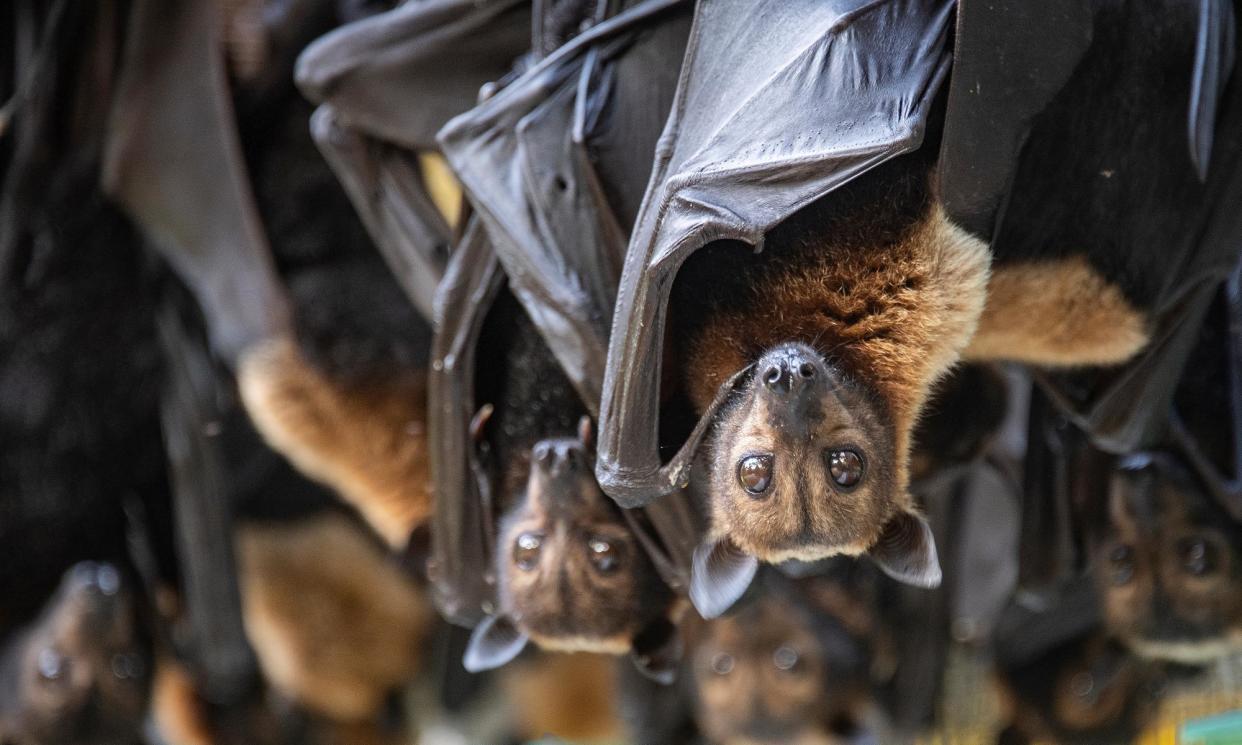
(812, 356)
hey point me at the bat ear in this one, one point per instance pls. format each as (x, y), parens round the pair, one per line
(494, 642)
(906, 551)
(584, 431)
(657, 651)
(478, 423)
(719, 574)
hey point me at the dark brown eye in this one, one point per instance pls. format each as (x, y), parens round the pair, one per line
(526, 551)
(1083, 686)
(128, 666)
(1197, 557)
(785, 659)
(1121, 560)
(605, 556)
(846, 467)
(722, 663)
(754, 473)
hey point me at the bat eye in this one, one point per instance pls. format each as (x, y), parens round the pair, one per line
(526, 551)
(1083, 686)
(1121, 561)
(604, 556)
(128, 666)
(53, 665)
(846, 468)
(722, 663)
(786, 659)
(1197, 557)
(754, 473)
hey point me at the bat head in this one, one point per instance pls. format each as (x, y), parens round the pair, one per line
(572, 575)
(81, 672)
(805, 467)
(777, 672)
(1087, 690)
(1170, 567)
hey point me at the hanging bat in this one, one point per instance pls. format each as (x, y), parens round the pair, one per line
(570, 573)
(80, 672)
(550, 226)
(1167, 562)
(1064, 679)
(810, 358)
(795, 664)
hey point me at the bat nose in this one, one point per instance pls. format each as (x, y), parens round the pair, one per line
(791, 368)
(560, 457)
(102, 577)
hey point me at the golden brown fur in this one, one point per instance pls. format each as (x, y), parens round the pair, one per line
(178, 712)
(569, 696)
(366, 441)
(1056, 313)
(335, 625)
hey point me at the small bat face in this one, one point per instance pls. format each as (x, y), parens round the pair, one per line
(573, 576)
(1170, 571)
(765, 675)
(82, 672)
(805, 468)
(1086, 691)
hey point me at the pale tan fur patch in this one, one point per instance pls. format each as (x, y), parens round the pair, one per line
(569, 696)
(369, 443)
(1056, 313)
(333, 622)
(176, 708)
(897, 316)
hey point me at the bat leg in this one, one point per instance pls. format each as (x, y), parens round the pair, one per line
(368, 442)
(385, 185)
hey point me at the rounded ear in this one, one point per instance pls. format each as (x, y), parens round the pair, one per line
(478, 423)
(906, 551)
(584, 431)
(494, 642)
(657, 650)
(719, 575)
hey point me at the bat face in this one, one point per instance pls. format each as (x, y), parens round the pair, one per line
(572, 575)
(1087, 691)
(1170, 571)
(82, 674)
(766, 675)
(805, 468)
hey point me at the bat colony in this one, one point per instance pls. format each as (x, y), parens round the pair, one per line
(774, 347)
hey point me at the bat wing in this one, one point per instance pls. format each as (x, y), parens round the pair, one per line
(778, 103)
(172, 159)
(399, 76)
(536, 190)
(460, 566)
(385, 85)
(1009, 59)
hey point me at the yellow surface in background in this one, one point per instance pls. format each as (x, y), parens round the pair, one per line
(441, 185)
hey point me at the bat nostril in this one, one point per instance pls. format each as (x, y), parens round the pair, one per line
(543, 453)
(773, 375)
(806, 370)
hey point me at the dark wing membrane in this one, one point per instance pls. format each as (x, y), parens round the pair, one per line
(779, 103)
(399, 76)
(537, 193)
(460, 567)
(386, 84)
(173, 160)
(1009, 59)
